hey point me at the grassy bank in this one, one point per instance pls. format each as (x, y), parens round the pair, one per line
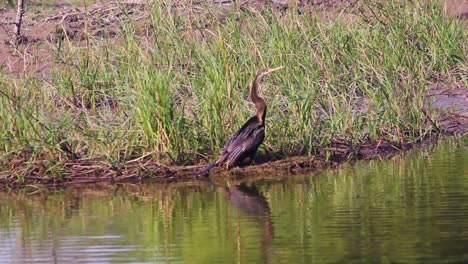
(175, 87)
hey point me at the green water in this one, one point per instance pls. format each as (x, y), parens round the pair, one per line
(413, 208)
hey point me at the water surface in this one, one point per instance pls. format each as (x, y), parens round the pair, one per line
(413, 208)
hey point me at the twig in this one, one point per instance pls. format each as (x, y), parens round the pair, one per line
(18, 21)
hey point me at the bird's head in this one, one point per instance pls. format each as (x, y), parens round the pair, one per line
(256, 99)
(265, 72)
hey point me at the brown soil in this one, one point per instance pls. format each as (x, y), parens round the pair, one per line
(41, 30)
(452, 102)
(34, 56)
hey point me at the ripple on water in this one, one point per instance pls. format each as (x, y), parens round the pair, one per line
(409, 209)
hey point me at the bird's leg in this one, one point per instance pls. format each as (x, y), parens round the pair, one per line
(246, 161)
(252, 159)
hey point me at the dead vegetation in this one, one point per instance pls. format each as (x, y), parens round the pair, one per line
(98, 20)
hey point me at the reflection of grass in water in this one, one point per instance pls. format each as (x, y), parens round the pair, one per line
(354, 207)
(163, 219)
(377, 208)
(183, 92)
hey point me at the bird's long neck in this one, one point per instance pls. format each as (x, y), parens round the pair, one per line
(259, 102)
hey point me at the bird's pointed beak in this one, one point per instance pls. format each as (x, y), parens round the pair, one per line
(275, 69)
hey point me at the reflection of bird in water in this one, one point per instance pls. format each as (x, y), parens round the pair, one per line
(248, 199)
(251, 201)
(243, 145)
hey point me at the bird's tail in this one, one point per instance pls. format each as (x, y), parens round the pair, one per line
(206, 170)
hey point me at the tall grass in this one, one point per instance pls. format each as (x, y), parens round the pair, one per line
(177, 86)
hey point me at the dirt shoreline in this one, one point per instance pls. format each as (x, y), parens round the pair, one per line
(85, 172)
(90, 172)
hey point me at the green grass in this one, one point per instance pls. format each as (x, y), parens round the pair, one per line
(178, 90)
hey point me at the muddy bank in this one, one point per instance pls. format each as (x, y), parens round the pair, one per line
(77, 173)
(452, 103)
(87, 172)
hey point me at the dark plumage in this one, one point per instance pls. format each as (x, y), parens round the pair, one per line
(243, 145)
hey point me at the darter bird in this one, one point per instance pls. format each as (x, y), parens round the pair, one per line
(243, 145)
